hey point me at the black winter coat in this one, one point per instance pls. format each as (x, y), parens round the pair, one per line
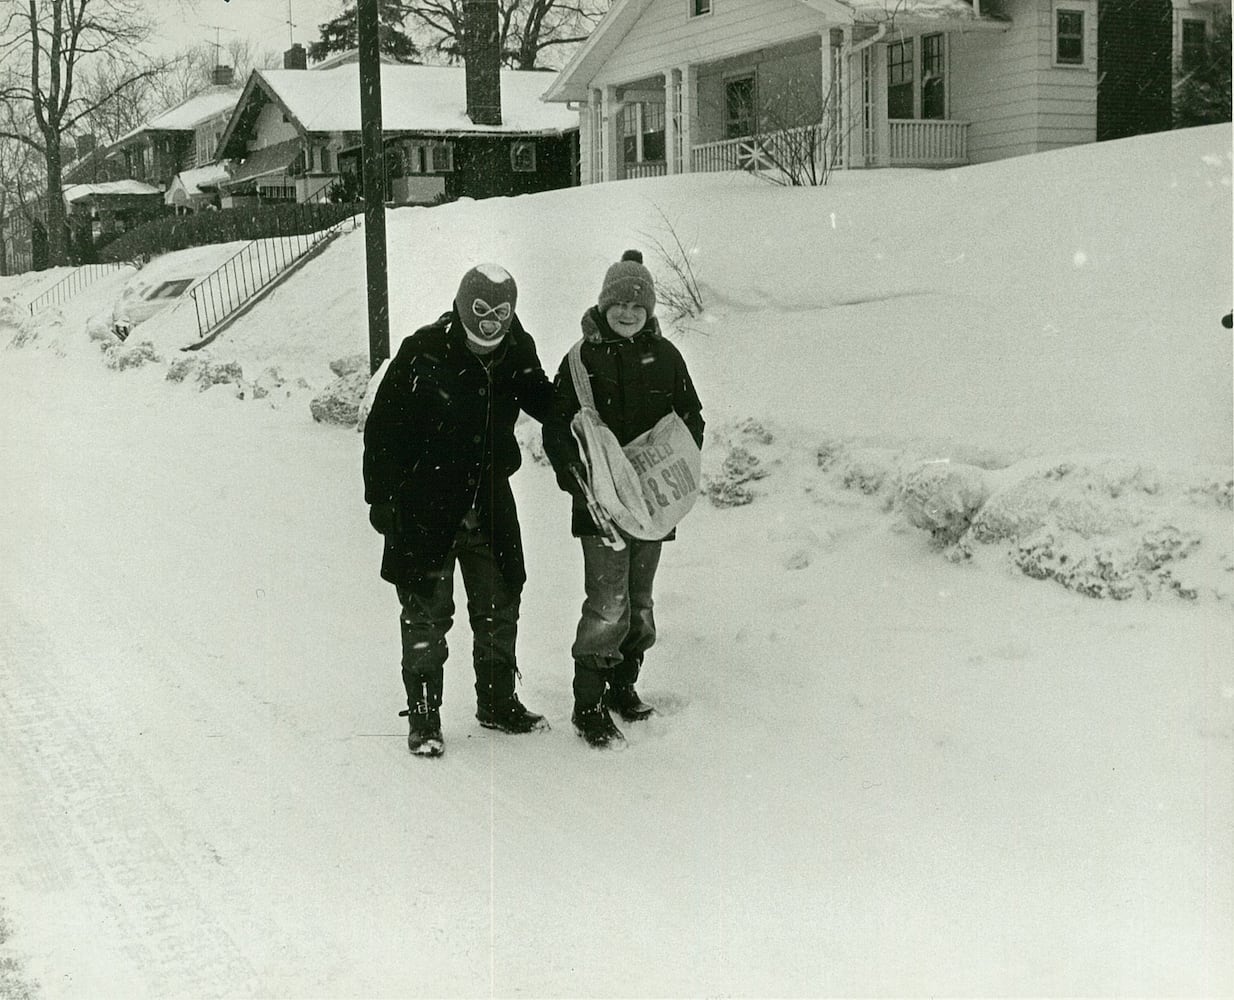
(636, 382)
(439, 440)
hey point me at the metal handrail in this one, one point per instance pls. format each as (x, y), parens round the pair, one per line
(72, 283)
(249, 270)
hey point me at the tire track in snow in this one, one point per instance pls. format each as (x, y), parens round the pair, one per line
(80, 829)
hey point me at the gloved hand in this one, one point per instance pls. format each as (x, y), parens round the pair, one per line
(384, 517)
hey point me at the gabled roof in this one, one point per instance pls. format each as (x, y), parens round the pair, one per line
(187, 115)
(573, 81)
(413, 99)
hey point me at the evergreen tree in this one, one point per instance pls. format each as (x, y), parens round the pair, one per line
(342, 34)
(1202, 96)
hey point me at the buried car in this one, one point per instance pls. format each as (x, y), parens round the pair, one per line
(140, 302)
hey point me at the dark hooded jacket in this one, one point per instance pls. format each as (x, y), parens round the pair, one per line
(636, 382)
(439, 441)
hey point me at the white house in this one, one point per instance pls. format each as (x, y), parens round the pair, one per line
(674, 86)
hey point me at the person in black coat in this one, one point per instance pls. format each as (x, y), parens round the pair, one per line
(439, 450)
(637, 377)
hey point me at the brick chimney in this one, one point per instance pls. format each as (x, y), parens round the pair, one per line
(295, 57)
(482, 56)
(223, 76)
(85, 144)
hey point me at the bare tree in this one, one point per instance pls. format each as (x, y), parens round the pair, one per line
(191, 70)
(19, 176)
(799, 140)
(43, 44)
(527, 29)
(537, 26)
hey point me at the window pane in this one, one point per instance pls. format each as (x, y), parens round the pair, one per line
(1071, 37)
(900, 101)
(702, 6)
(900, 62)
(900, 79)
(1195, 45)
(931, 56)
(739, 108)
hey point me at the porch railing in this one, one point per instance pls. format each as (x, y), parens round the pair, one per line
(788, 149)
(651, 168)
(927, 143)
(74, 282)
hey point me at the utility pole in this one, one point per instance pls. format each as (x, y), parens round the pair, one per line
(373, 157)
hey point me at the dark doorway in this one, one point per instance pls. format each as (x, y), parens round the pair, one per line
(1134, 67)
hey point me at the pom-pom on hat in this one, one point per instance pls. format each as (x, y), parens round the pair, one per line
(629, 281)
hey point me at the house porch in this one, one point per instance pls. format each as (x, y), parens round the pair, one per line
(843, 98)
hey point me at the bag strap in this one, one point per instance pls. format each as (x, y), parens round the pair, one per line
(582, 380)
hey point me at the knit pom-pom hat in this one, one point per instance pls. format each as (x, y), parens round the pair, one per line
(629, 281)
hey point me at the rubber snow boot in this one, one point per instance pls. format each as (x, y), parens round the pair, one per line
(621, 696)
(497, 706)
(624, 700)
(424, 723)
(596, 726)
(509, 715)
(591, 719)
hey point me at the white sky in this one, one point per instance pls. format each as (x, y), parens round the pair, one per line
(264, 22)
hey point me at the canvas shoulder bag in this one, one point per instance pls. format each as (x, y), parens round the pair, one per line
(648, 486)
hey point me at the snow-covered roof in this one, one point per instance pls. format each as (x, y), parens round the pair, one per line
(414, 98)
(78, 192)
(187, 115)
(192, 180)
(571, 84)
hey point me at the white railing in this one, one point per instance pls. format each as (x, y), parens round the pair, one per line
(646, 169)
(926, 143)
(789, 150)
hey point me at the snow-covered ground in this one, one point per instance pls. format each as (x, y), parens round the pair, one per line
(993, 758)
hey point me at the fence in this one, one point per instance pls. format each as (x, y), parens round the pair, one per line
(247, 272)
(74, 282)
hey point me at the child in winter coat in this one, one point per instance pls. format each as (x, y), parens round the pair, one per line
(637, 377)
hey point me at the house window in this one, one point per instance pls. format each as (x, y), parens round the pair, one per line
(700, 7)
(1069, 37)
(645, 122)
(429, 157)
(279, 193)
(441, 158)
(900, 79)
(523, 157)
(933, 82)
(629, 133)
(739, 107)
(1195, 45)
(653, 132)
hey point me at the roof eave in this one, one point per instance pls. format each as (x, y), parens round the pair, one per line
(255, 81)
(571, 84)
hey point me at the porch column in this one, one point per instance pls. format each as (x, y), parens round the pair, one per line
(842, 109)
(589, 140)
(611, 142)
(672, 110)
(689, 116)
